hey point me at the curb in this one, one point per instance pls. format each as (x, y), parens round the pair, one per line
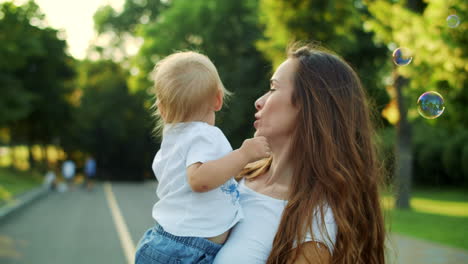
(22, 200)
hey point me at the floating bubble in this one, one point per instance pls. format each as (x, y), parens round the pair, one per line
(453, 21)
(402, 56)
(431, 105)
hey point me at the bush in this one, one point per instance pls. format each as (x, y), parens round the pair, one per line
(440, 156)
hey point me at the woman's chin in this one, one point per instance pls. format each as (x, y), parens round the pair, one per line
(257, 133)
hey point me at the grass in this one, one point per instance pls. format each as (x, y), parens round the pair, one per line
(437, 215)
(14, 182)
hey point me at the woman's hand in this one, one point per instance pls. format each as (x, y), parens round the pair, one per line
(255, 148)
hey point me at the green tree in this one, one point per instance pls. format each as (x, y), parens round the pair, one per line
(15, 25)
(336, 25)
(439, 64)
(111, 123)
(226, 32)
(134, 13)
(119, 28)
(35, 75)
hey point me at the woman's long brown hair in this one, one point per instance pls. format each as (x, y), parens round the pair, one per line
(334, 161)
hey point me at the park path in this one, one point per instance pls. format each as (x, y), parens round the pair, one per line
(403, 249)
(81, 227)
(76, 226)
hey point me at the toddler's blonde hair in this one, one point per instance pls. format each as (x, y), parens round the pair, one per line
(186, 85)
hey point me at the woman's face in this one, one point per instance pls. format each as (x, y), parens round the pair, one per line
(275, 114)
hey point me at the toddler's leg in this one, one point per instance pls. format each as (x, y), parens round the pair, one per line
(158, 246)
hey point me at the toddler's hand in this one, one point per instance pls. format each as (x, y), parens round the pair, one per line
(255, 148)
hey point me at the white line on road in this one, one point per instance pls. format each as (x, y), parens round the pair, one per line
(125, 238)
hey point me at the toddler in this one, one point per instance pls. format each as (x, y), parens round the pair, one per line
(198, 197)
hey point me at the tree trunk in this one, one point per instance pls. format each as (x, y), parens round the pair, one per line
(32, 162)
(403, 150)
(45, 158)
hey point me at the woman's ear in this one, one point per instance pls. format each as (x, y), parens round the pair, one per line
(218, 101)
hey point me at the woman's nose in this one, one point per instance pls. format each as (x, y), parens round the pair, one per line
(258, 104)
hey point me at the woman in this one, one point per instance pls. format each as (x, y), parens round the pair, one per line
(315, 200)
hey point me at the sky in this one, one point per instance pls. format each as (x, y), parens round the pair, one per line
(76, 18)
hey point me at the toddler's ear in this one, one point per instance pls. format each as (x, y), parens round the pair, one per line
(218, 101)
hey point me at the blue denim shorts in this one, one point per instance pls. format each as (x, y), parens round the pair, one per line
(159, 246)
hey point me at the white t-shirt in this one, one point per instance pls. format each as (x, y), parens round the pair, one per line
(68, 169)
(251, 240)
(180, 211)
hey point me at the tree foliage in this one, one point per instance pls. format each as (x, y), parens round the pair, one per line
(226, 32)
(118, 28)
(440, 53)
(336, 25)
(111, 123)
(34, 75)
(439, 64)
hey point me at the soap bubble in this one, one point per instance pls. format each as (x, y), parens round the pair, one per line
(431, 105)
(453, 21)
(402, 56)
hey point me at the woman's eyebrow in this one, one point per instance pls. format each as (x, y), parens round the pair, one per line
(272, 80)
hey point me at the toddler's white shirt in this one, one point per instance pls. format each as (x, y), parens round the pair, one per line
(251, 240)
(181, 211)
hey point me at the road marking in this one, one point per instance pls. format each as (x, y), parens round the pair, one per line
(122, 230)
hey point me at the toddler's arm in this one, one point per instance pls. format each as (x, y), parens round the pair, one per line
(204, 177)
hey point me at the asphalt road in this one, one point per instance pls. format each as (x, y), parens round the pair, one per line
(103, 227)
(77, 226)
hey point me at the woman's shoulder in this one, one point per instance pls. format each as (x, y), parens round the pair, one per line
(323, 228)
(327, 213)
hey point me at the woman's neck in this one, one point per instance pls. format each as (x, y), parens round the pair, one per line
(280, 172)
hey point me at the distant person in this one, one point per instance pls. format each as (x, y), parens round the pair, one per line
(49, 180)
(68, 172)
(198, 197)
(90, 172)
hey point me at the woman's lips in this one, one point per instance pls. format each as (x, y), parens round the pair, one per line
(256, 124)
